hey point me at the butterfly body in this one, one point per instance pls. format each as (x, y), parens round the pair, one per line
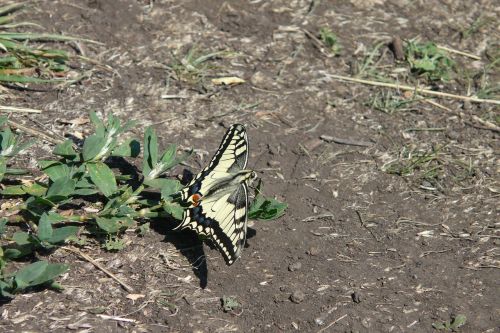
(217, 197)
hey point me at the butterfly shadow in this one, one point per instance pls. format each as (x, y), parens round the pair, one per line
(187, 243)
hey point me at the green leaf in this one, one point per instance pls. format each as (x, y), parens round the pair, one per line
(60, 189)
(26, 275)
(98, 123)
(266, 208)
(93, 146)
(44, 228)
(21, 238)
(3, 167)
(114, 245)
(85, 191)
(144, 229)
(229, 303)
(55, 170)
(18, 252)
(65, 149)
(169, 188)
(11, 171)
(51, 272)
(59, 235)
(174, 209)
(150, 151)
(6, 289)
(458, 321)
(111, 226)
(130, 148)
(168, 156)
(3, 224)
(102, 177)
(35, 189)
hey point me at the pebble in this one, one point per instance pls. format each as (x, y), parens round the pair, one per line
(295, 266)
(453, 135)
(313, 251)
(273, 163)
(356, 297)
(254, 290)
(297, 296)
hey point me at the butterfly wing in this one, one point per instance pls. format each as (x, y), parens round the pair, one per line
(221, 215)
(223, 219)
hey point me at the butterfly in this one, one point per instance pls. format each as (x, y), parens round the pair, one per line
(216, 200)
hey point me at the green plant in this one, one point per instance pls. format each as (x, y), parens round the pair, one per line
(330, 40)
(388, 102)
(193, 67)
(24, 62)
(428, 60)
(452, 324)
(42, 222)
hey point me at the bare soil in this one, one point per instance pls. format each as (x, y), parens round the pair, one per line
(378, 252)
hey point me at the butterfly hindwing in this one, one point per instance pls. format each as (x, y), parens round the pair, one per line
(221, 213)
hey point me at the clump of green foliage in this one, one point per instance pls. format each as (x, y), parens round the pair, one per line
(428, 60)
(42, 222)
(330, 40)
(24, 62)
(452, 324)
(430, 169)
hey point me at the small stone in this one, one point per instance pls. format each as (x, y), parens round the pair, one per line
(356, 297)
(261, 80)
(254, 290)
(453, 135)
(295, 266)
(297, 297)
(313, 251)
(467, 105)
(273, 163)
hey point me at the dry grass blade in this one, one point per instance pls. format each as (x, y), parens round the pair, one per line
(99, 266)
(5, 108)
(34, 132)
(415, 89)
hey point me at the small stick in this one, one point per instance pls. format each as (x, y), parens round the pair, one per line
(487, 124)
(127, 320)
(332, 323)
(18, 109)
(99, 266)
(431, 102)
(34, 132)
(341, 141)
(465, 54)
(364, 226)
(416, 89)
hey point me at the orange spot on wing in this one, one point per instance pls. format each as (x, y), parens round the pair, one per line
(196, 199)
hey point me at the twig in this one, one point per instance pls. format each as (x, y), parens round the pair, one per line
(128, 320)
(332, 323)
(438, 105)
(18, 109)
(465, 54)
(426, 253)
(487, 124)
(416, 89)
(364, 226)
(317, 43)
(317, 217)
(99, 266)
(34, 132)
(341, 141)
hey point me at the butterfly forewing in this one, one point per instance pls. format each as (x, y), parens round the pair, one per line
(221, 213)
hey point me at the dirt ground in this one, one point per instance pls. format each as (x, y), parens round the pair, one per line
(359, 249)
